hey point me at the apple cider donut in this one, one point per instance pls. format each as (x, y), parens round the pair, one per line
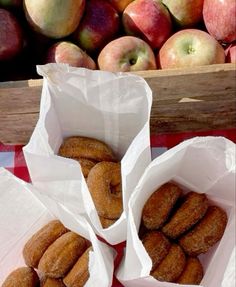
(206, 233)
(171, 266)
(193, 272)
(85, 147)
(52, 282)
(189, 213)
(22, 277)
(102, 181)
(159, 205)
(86, 165)
(157, 246)
(105, 222)
(62, 254)
(41, 240)
(79, 274)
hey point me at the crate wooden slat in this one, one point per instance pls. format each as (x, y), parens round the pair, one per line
(193, 99)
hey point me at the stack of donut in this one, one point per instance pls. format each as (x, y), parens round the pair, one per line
(59, 255)
(175, 229)
(102, 172)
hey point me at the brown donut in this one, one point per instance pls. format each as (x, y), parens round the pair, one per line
(102, 181)
(189, 213)
(85, 147)
(159, 205)
(157, 246)
(171, 266)
(61, 255)
(206, 233)
(22, 277)
(105, 222)
(41, 240)
(79, 273)
(193, 272)
(86, 165)
(52, 282)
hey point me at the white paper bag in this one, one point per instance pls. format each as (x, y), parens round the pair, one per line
(205, 165)
(22, 214)
(114, 108)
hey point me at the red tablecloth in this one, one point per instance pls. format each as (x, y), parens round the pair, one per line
(11, 157)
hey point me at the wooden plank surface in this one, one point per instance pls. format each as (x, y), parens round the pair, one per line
(193, 99)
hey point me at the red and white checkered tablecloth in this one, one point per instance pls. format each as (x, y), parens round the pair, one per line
(12, 158)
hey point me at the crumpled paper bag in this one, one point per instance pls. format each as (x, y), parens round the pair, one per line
(114, 108)
(205, 165)
(22, 214)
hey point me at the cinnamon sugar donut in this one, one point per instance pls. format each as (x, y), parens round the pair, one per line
(41, 240)
(105, 222)
(103, 181)
(171, 266)
(52, 282)
(189, 213)
(193, 272)
(157, 246)
(205, 233)
(22, 277)
(61, 255)
(159, 205)
(86, 165)
(79, 274)
(85, 147)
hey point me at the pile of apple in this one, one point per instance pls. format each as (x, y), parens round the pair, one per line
(120, 35)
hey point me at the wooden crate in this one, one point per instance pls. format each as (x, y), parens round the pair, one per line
(193, 99)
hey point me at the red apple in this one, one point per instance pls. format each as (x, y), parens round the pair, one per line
(230, 53)
(149, 20)
(220, 19)
(69, 53)
(99, 26)
(190, 48)
(126, 54)
(186, 13)
(11, 38)
(120, 5)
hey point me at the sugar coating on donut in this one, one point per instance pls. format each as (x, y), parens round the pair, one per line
(52, 282)
(189, 213)
(157, 246)
(62, 254)
(85, 147)
(106, 222)
(21, 277)
(159, 205)
(41, 240)
(86, 165)
(79, 273)
(171, 266)
(206, 233)
(104, 184)
(193, 272)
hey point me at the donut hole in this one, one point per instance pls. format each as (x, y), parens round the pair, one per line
(104, 184)
(116, 190)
